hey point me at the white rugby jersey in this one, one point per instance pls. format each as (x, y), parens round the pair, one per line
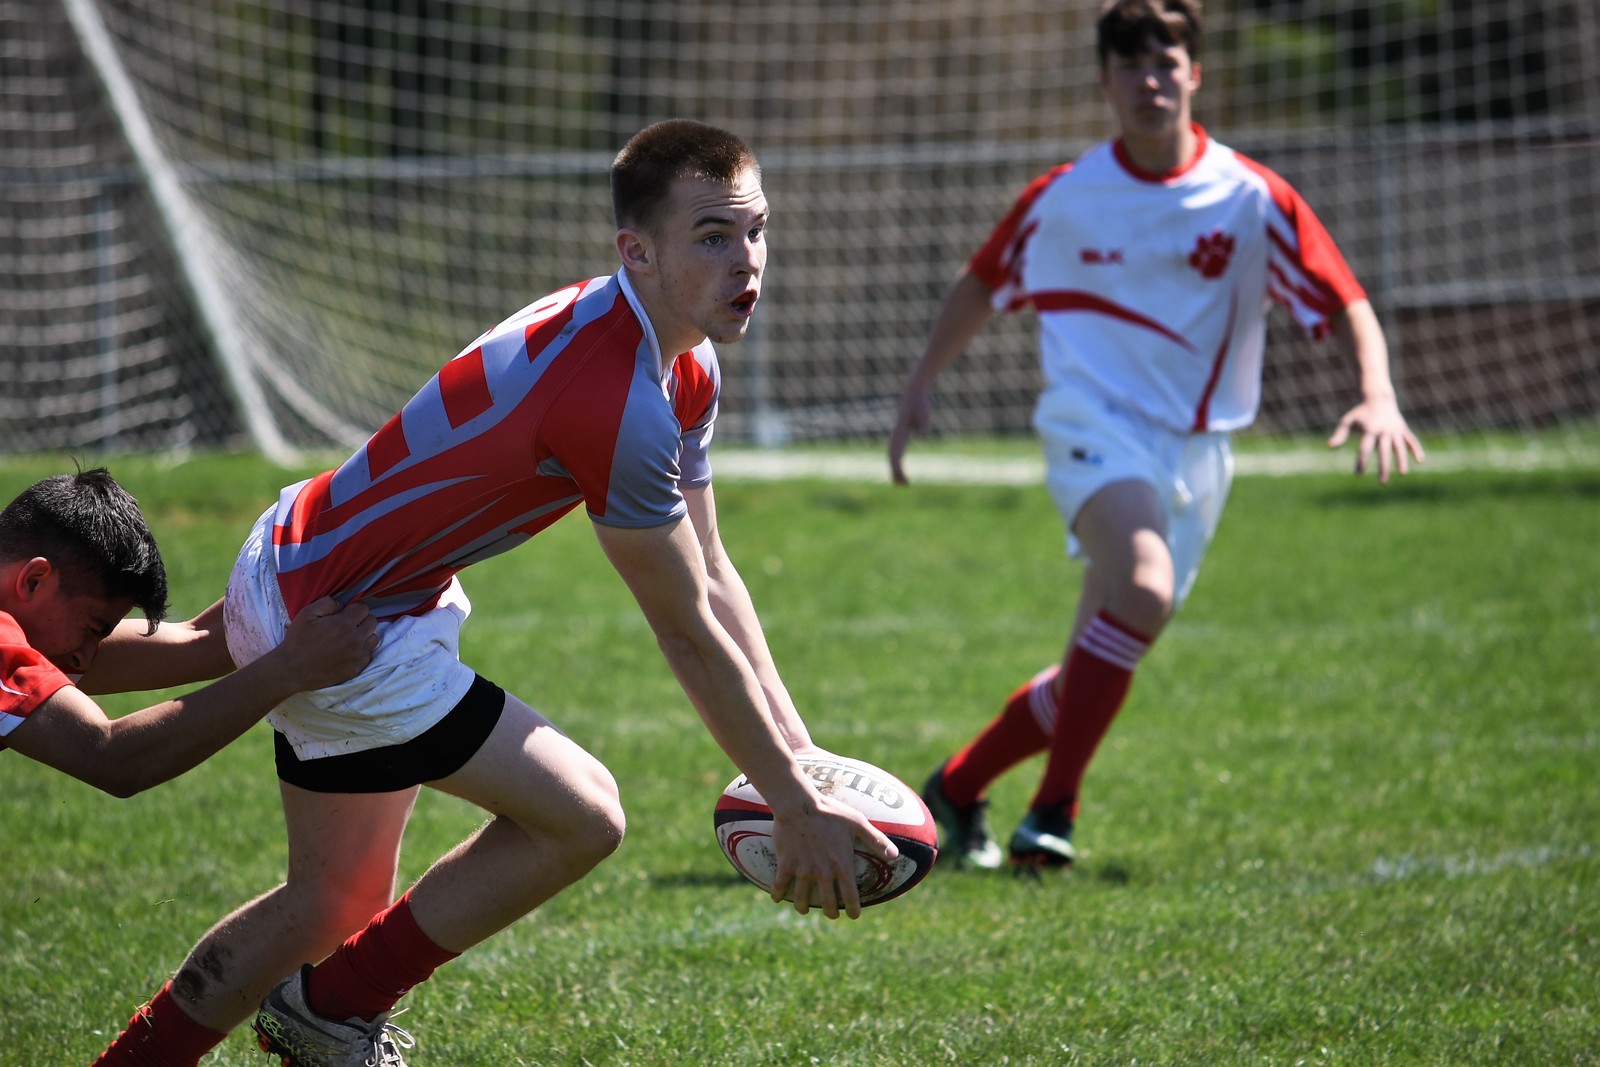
(1153, 288)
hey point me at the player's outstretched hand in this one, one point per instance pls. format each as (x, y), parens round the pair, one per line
(327, 644)
(1384, 432)
(816, 856)
(916, 416)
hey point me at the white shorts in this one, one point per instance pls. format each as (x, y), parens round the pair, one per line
(415, 678)
(1089, 443)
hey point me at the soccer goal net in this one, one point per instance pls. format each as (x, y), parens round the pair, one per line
(237, 220)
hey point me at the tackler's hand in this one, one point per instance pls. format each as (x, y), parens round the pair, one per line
(327, 644)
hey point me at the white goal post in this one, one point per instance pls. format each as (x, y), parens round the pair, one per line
(373, 182)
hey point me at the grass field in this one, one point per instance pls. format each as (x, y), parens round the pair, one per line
(1349, 816)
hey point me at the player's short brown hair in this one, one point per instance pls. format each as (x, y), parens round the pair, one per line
(660, 154)
(1125, 26)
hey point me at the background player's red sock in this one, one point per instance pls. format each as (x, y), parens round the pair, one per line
(1098, 675)
(160, 1035)
(1021, 729)
(377, 966)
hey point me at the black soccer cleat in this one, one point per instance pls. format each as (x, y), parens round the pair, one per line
(966, 829)
(1043, 840)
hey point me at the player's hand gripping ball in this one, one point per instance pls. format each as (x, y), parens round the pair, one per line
(744, 825)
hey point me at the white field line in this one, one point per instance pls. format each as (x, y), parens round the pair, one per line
(955, 469)
(1472, 864)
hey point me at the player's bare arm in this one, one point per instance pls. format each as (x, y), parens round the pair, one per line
(663, 568)
(1382, 428)
(965, 311)
(323, 646)
(176, 653)
(731, 604)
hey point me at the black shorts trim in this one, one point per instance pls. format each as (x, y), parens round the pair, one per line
(437, 752)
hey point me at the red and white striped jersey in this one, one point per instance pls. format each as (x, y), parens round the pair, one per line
(27, 678)
(568, 400)
(1153, 288)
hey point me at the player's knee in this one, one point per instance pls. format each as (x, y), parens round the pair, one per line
(1145, 606)
(603, 824)
(1149, 599)
(589, 825)
(1159, 603)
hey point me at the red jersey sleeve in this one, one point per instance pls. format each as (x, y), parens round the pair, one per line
(1307, 273)
(998, 262)
(27, 678)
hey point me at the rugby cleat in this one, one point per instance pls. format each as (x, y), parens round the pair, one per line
(1043, 839)
(966, 828)
(286, 1027)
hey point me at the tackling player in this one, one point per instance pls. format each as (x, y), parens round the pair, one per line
(75, 558)
(1151, 262)
(603, 394)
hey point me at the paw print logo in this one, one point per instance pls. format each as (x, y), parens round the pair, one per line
(1211, 254)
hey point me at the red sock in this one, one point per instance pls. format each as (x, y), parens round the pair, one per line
(1021, 729)
(1098, 675)
(377, 966)
(160, 1035)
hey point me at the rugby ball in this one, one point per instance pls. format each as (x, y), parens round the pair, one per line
(744, 825)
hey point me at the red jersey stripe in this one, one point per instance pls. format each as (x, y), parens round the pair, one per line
(1068, 300)
(464, 388)
(387, 449)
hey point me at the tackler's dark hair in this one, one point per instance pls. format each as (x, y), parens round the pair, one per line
(91, 529)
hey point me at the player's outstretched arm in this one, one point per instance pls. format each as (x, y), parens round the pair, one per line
(1382, 429)
(324, 645)
(177, 653)
(815, 836)
(964, 312)
(731, 604)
